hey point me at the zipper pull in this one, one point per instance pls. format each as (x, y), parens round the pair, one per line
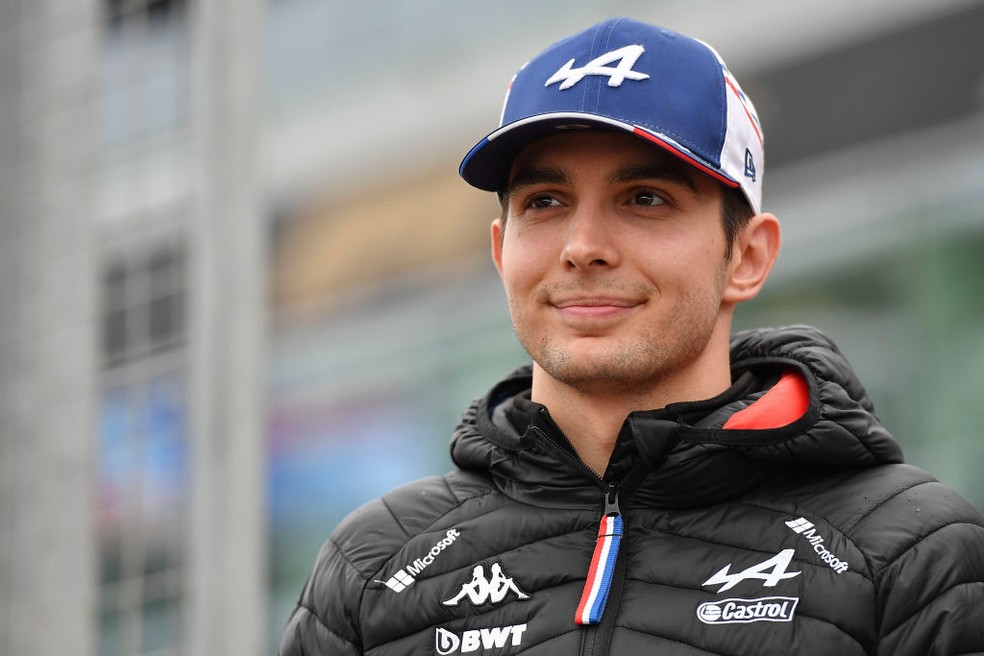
(600, 574)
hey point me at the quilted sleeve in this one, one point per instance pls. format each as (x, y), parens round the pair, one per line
(330, 618)
(325, 621)
(931, 593)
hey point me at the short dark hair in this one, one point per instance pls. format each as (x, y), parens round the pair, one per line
(736, 212)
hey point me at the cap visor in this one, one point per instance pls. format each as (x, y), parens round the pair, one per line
(486, 166)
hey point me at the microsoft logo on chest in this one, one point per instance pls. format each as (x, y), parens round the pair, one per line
(405, 577)
(805, 527)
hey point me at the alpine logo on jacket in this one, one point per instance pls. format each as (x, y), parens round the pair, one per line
(805, 527)
(745, 611)
(448, 642)
(404, 578)
(770, 572)
(481, 590)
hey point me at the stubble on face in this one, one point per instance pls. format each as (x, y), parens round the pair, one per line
(634, 363)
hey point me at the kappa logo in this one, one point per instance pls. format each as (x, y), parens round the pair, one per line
(770, 572)
(404, 578)
(745, 611)
(447, 642)
(805, 527)
(626, 58)
(481, 590)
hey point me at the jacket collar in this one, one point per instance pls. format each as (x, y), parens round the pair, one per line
(794, 399)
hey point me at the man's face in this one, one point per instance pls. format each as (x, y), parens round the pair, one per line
(613, 260)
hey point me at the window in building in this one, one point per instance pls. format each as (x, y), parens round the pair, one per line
(142, 467)
(143, 301)
(146, 69)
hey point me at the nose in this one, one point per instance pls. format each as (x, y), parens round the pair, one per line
(589, 240)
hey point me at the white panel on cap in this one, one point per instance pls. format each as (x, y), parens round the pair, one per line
(743, 134)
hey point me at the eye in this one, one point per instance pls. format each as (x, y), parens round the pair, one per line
(650, 198)
(543, 201)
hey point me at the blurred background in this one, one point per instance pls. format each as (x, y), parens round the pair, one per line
(242, 289)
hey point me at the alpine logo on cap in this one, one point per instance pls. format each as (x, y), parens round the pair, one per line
(626, 58)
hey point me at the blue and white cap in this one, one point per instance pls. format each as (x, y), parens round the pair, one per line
(667, 88)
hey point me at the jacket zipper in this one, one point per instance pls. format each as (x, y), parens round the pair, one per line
(572, 457)
(598, 632)
(601, 573)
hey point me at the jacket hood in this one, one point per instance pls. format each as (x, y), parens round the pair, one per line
(795, 399)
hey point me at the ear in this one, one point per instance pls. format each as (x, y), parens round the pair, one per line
(497, 234)
(753, 254)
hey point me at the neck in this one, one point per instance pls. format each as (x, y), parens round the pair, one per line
(591, 417)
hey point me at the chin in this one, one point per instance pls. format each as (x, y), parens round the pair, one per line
(607, 371)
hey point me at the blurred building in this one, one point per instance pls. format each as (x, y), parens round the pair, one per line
(244, 291)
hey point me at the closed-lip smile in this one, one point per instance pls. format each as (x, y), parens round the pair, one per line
(594, 302)
(594, 307)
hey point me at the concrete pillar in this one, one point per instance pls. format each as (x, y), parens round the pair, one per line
(48, 52)
(227, 577)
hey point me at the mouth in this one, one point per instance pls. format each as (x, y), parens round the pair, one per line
(594, 302)
(595, 307)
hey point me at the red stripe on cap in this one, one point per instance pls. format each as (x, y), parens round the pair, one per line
(787, 401)
(751, 119)
(684, 156)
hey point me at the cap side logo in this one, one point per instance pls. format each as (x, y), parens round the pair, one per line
(749, 165)
(626, 58)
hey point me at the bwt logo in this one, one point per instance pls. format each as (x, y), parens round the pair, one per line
(448, 642)
(744, 611)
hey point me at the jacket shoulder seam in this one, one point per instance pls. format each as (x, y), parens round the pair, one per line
(863, 516)
(458, 503)
(341, 554)
(451, 491)
(396, 519)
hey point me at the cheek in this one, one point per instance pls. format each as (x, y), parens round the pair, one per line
(666, 257)
(702, 248)
(516, 280)
(523, 260)
(684, 263)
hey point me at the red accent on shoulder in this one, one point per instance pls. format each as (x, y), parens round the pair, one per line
(787, 401)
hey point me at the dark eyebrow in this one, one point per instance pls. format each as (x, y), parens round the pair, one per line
(665, 172)
(533, 175)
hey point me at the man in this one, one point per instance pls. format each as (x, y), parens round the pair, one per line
(650, 484)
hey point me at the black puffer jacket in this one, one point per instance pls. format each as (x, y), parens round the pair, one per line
(755, 523)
